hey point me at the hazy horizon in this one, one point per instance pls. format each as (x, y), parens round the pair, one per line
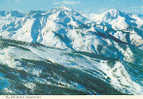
(89, 6)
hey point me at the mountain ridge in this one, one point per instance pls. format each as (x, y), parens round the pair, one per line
(59, 27)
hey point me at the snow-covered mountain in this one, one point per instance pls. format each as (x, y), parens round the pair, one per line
(105, 48)
(42, 27)
(120, 23)
(116, 18)
(60, 25)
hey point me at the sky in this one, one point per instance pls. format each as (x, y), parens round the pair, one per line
(89, 6)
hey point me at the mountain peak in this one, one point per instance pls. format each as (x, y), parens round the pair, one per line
(63, 12)
(112, 13)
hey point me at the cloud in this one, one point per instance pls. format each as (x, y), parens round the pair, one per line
(67, 2)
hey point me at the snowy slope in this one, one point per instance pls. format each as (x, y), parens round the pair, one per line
(28, 64)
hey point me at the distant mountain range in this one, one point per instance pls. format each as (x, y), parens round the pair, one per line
(64, 27)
